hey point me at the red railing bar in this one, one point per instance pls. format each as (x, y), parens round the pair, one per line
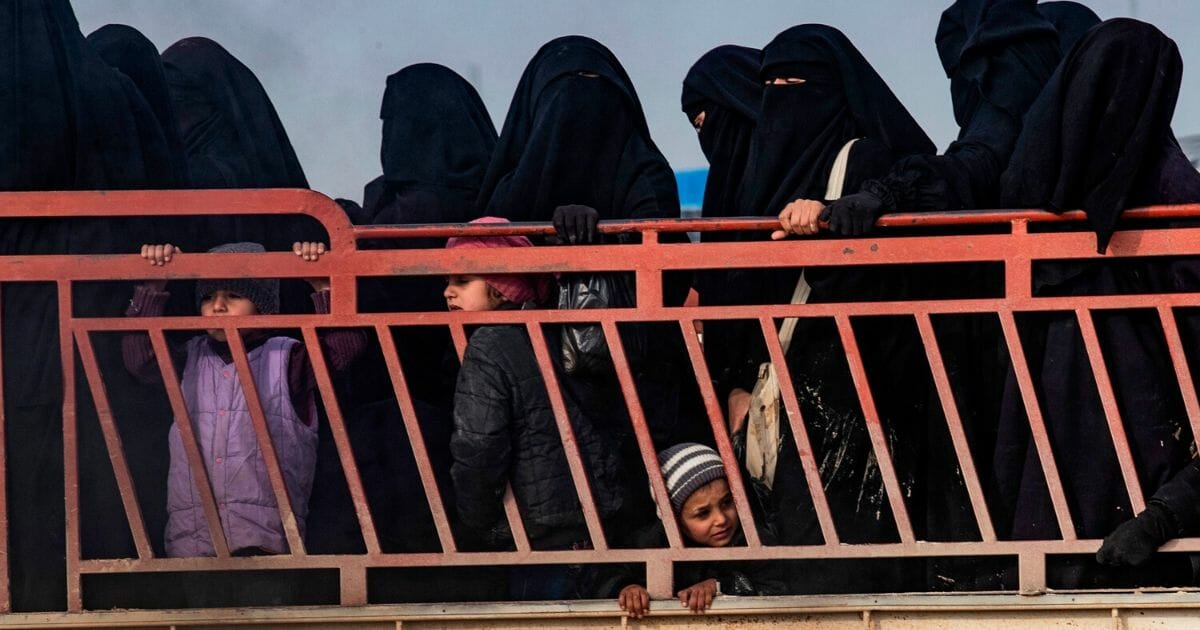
(337, 427)
(1037, 425)
(1183, 373)
(266, 445)
(716, 420)
(416, 440)
(458, 333)
(187, 435)
(1108, 400)
(641, 430)
(812, 472)
(587, 500)
(112, 443)
(70, 448)
(958, 436)
(759, 224)
(883, 455)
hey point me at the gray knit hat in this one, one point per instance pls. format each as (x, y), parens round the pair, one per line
(686, 468)
(264, 292)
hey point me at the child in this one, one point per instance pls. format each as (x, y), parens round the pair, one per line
(505, 433)
(703, 505)
(218, 410)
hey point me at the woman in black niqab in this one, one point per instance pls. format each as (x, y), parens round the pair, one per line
(1099, 138)
(79, 126)
(723, 87)
(128, 51)
(575, 134)
(234, 139)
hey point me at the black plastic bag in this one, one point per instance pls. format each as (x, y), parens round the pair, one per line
(584, 350)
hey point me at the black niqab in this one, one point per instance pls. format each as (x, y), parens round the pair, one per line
(576, 134)
(128, 51)
(1070, 19)
(234, 137)
(1100, 124)
(724, 84)
(803, 127)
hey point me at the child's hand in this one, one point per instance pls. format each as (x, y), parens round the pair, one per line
(699, 597)
(634, 600)
(311, 252)
(158, 255)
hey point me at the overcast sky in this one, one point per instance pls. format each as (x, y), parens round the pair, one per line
(324, 62)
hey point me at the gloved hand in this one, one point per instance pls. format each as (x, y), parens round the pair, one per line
(576, 223)
(1135, 541)
(853, 215)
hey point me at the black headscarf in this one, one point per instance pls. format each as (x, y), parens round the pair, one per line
(724, 84)
(128, 51)
(803, 127)
(998, 51)
(570, 138)
(1102, 120)
(1070, 19)
(437, 138)
(234, 137)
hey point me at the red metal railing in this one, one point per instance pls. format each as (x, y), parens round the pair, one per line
(1017, 249)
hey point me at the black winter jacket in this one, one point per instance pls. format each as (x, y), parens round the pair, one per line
(504, 430)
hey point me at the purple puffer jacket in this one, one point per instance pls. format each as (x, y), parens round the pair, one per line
(235, 465)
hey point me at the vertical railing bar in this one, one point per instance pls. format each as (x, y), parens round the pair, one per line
(883, 455)
(1037, 425)
(337, 427)
(958, 436)
(266, 445)
(113, 444)
(649, 282)
(416, 439)
(191, 445)
(733, 468)
(583, 489)
(1112, 413)
(812, 472)
(641, 430)
(458, 333)
(1183, 373)
(74, 554)
(5, 583)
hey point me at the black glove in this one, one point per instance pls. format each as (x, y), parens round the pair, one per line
(853, 215)
(575, 223)
(1135, 541)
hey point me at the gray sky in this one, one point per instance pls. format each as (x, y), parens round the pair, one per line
(324, 62)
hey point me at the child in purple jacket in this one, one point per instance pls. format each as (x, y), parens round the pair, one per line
(219, 414)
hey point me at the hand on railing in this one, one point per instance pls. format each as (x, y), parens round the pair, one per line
(699, 597)
(853, 215)
(576, 223)
(800, 217)
(311, 252)
(1134, 542)
(158, 255)
(635, 600)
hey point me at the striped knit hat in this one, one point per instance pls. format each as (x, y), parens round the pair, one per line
(686, 468)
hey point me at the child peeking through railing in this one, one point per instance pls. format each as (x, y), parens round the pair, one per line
(220, 416)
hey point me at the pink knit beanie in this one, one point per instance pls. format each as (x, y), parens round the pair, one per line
(516, 288)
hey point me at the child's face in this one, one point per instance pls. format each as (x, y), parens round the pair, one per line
(225, 303)
(709, 516)
(471, 293)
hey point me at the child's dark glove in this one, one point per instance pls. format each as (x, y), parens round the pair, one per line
(575, 223)
(853, 215)
(1135, 541)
